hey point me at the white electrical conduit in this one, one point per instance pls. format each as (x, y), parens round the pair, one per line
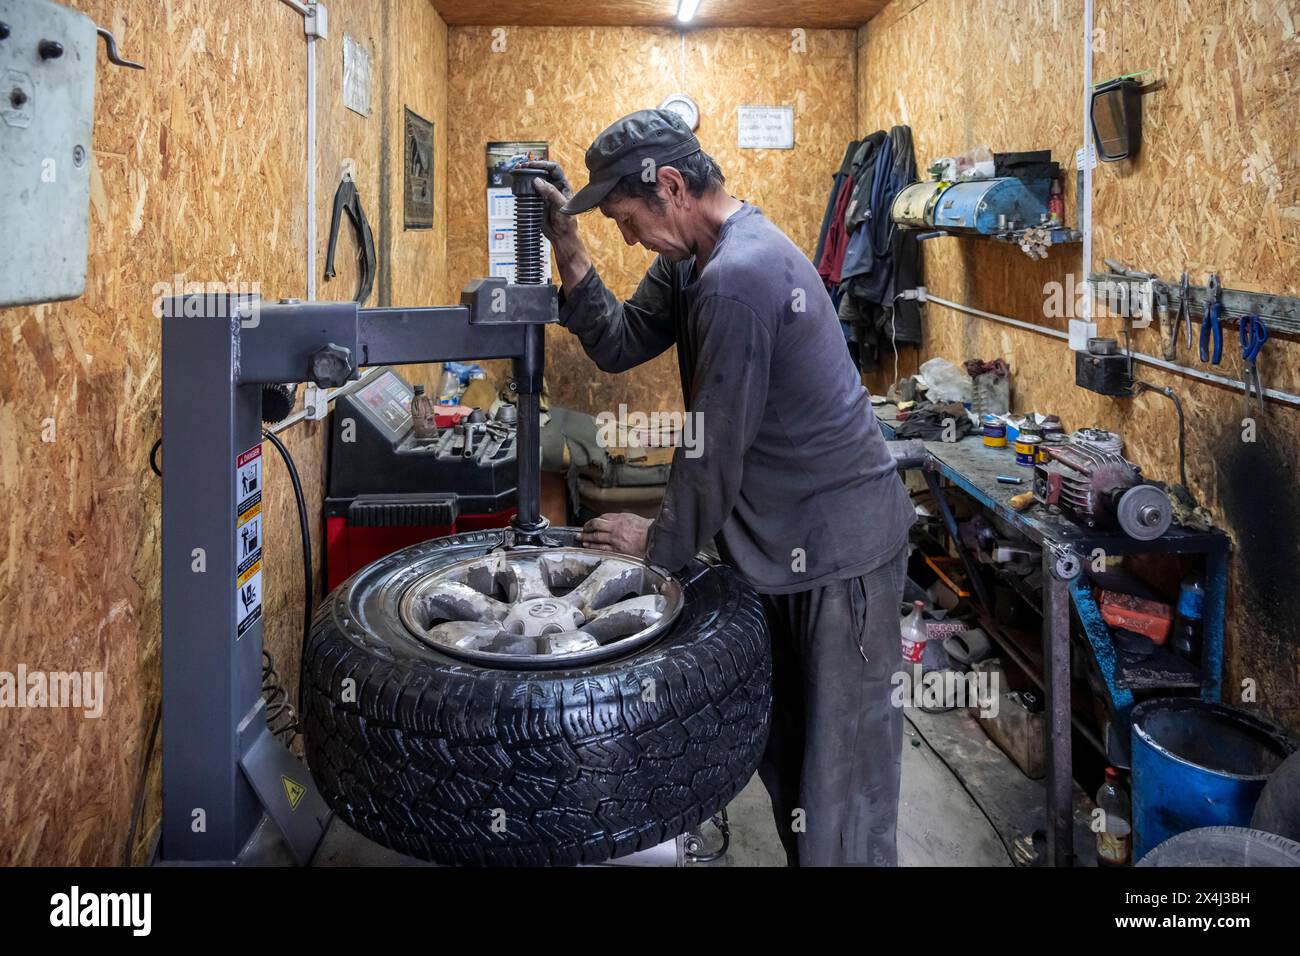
(1085, 201)
(301, 10)
(1285, 398)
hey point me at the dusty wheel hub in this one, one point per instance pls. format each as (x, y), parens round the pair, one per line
(541, 607)
(543, 616)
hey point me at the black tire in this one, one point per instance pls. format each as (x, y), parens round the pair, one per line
(1224, 846)
(1278, 809)
(573, 766)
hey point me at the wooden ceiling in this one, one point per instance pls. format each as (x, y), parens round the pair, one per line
(810, 14)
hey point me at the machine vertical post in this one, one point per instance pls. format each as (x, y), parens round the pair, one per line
(528, 447)
(211, 675)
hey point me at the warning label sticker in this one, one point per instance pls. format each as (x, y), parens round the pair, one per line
(248, 607)
(248, 480)
(248, 540)
(293, 791)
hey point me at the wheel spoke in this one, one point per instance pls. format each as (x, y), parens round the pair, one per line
(567, 642)
(524, 579)
(460, 602)
(463, 634)
(611, 580)
(625, 618)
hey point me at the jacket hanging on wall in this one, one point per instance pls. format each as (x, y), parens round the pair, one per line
(871, 259)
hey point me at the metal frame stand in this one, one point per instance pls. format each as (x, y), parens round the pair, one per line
(971, 467)
(222, 768)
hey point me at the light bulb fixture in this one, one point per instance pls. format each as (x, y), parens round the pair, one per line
(686, 10)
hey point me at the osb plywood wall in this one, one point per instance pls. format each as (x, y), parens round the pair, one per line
(198, 173)
(1214, 189)
(564, 85)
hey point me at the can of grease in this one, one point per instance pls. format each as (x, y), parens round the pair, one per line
(1051, 438)
(1027, 449)
(995, 431)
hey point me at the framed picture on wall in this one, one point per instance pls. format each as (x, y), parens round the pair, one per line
(417, 196)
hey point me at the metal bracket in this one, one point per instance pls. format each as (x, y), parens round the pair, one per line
(316, 23)
(494, 301)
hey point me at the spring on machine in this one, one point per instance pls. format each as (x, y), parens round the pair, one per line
(529, 210)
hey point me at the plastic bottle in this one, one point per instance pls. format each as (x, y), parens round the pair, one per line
(914, 634)
(1189, 622)
(449, 388)
(424, 410)
(1114, 839)
(1056, 204)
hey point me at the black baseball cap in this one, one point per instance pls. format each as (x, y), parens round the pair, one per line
(622, 149)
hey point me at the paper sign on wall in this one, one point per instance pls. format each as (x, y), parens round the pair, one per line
(765, 127)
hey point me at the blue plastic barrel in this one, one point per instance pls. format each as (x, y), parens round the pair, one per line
(1197, 764)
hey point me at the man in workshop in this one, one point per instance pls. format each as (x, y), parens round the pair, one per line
(794, 479)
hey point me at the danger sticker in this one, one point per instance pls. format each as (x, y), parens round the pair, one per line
(248, 480)
(248, 540)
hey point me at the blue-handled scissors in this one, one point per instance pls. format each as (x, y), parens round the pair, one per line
(1210, 325)
(1253, 333)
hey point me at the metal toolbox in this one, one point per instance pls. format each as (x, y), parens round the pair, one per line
(915, 204)
(987, 207)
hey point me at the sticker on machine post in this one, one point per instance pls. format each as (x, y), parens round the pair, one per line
(248, 539)
(248, 480)
(248, 599)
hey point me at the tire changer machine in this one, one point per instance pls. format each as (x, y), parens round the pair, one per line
(224, 773)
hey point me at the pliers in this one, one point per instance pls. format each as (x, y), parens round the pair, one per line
(1254, 333)
(1210, 325)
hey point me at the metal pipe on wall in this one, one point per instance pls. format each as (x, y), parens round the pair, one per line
(1285, 398)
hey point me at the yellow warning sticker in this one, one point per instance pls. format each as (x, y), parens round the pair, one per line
(293, 791)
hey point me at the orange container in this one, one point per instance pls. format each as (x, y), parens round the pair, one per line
(1149, 618)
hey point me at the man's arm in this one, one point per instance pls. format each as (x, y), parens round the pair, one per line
(728, 398)
(615, 335)
(619, 335)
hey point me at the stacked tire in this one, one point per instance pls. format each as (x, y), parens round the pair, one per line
(455, 763)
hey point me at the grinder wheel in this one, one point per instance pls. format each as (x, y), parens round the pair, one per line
(1144, 512)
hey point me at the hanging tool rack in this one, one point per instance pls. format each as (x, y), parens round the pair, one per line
(1280, 313)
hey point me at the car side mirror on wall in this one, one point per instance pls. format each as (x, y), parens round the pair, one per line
(1117, 119)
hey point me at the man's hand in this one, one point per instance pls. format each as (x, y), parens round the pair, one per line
(622, 532)
(558, 227)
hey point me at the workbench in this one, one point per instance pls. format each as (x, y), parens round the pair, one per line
(972, 467)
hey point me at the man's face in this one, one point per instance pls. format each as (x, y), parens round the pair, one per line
(658, 228)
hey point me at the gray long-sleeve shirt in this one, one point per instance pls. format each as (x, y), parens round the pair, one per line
(793, 476)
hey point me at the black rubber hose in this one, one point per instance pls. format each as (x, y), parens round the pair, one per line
(1178, 406)
(305, 532)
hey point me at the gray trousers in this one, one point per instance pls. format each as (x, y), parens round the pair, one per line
(834, 754)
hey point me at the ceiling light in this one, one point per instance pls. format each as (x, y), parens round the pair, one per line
(686, 10)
